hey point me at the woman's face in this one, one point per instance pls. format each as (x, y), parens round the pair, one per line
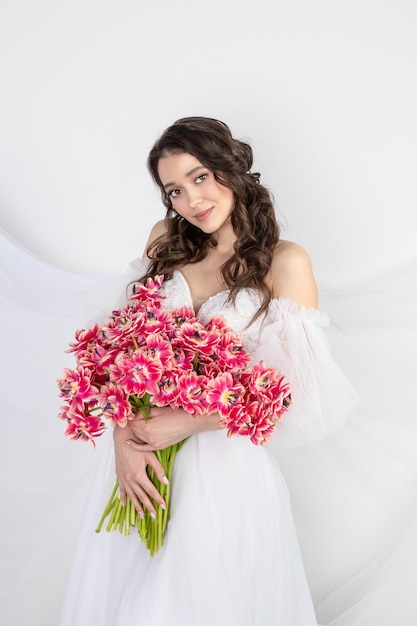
(194, 192)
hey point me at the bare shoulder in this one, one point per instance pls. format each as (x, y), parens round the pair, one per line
(157, 230)
(292, 275)
(289, 253)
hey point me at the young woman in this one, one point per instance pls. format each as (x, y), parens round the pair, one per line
(230, 556)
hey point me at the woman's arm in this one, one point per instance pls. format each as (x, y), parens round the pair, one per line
(158, 229)
(131, 472)
(167, 426)
(134, 450)
(131, 464)
(135, 443)
(292, 276)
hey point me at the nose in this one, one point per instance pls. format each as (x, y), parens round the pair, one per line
(194, 197)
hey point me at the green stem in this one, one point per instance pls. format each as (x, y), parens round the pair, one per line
(119, 511)
(110, 504)
(159, 528)
(127, 517)
(112, 517)
(133, 514)
(151, 532)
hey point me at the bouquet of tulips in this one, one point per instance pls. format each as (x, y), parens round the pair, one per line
(146, 355)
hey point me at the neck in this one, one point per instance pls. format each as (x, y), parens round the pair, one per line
(225, 238)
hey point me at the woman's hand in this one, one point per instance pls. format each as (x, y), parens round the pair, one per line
(167, 426)
(131, 472)
(134, 450)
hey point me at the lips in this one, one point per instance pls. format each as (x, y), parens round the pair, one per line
(203, 215)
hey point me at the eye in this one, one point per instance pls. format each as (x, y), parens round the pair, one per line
(174, 193)
(200, 178)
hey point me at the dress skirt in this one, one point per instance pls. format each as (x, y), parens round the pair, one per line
(230, 555)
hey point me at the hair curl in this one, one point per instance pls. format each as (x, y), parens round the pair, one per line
(253, 217)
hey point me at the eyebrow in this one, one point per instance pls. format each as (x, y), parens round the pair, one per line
(188, 174)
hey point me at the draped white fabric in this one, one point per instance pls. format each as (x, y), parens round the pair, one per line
(354, 494)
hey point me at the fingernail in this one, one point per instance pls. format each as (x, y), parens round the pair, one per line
(141, 515)
(128, 443)
(165, 480)
(153, 515)
(163, 507)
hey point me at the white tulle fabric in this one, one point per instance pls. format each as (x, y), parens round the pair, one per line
(353, 494)
(231, 554)
(291, 340)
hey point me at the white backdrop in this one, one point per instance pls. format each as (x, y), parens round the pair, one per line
(325, 90)
(326, 93)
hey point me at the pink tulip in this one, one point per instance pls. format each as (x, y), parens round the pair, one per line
(85, 428)
(75, 385)
(115, 404)
(224, 392)
(191, 393)
(139, 374)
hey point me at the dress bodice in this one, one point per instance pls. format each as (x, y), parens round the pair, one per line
(290, 339)
(237, 315)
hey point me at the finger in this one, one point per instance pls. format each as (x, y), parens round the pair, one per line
(123, 494)
(136, 502)
(141, 489)
(138, 431)
(142, 496)
(137, 417)
(158, 469)
(151, 492)
(140, 447)
(157, 410)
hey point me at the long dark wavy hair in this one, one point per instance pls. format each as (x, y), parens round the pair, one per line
(253, 217)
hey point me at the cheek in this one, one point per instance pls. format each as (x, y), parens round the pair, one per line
(229, 199)
(178, 206)
(225, 193)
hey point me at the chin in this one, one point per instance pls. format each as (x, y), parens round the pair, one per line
(208, 231)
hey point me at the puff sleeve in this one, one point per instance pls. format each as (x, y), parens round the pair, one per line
(292, 340)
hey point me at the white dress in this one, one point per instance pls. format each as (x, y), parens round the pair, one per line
(231, 555)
